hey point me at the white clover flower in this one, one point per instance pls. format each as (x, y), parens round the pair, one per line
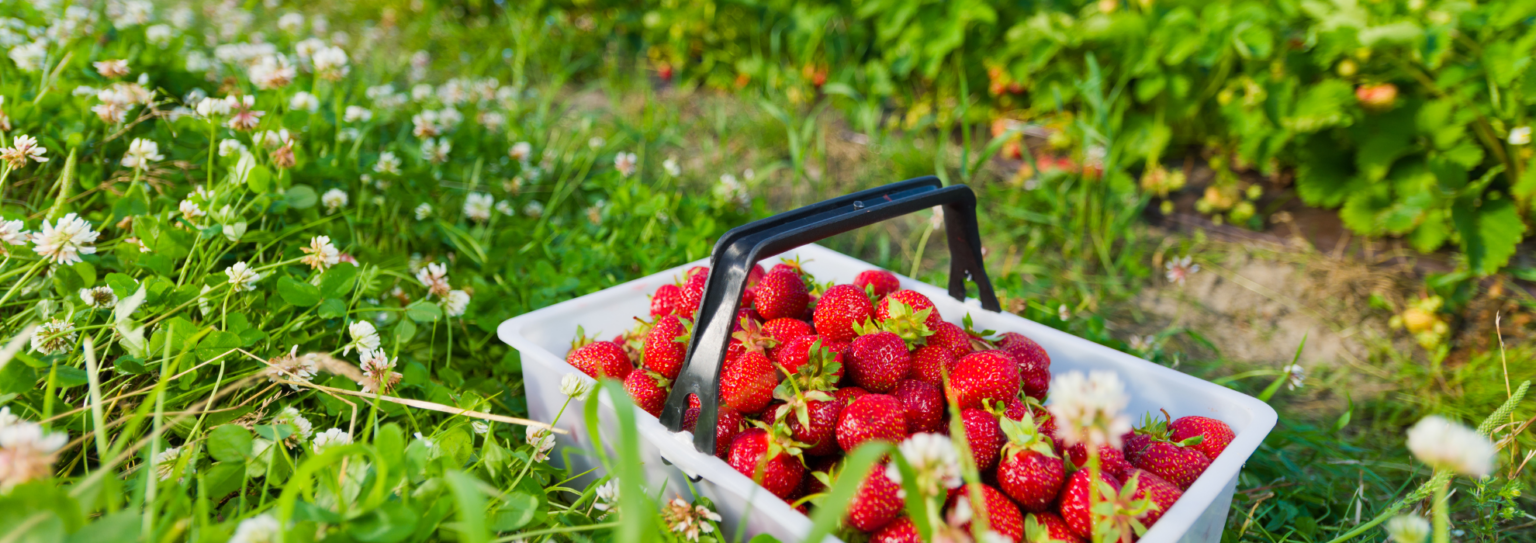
(436, 150)
(330, 63)
(455, 303)
(13, 232)
(166, 461)
(212, 107)
(54, 336)
(421, 92)
(625, 163)
(607, 496)
(1063, 313)
(23, 149)
(293, 367)
(320, 254)
(933, 460)
(141, 153)
(477, 206)
(492, 121)
(7, 419)
(449, 118)
(27, 452)
(190, 210)
(262, 528)
(272, 72)
(425, 440)
(434, 276)
(99, 297)
(272, 138)
(355, 114)
(731, 189)
(114, 106)
(936, 221)
(378, 370)
(1296, 374)
(597, 142)
(1444, 444)
(534, 209)
(520, 151)
(84, 90)
(1408, 528)
(388, 163)
(242, 116)
(232, 147)
(130, 12)
(573, 386)
(1180, 268)
(1089, 409)
(197, 62)
(333, 200)
(159, 34)
(542, 441)
(688, 521)
(111, 68)
(480, 428)
(241, 277)
(423, 211)
(304, 101)
(302, 429)
(1520, 135)
(29, 56)
(65, 240)
(334, 437)
(671, 167)
(504, 207)
(290, 22)
(364, 337)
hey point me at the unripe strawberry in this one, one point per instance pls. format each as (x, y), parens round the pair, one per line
(1377, 97)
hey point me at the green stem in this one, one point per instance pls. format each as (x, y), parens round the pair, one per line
(1442, 515)
(31, 270)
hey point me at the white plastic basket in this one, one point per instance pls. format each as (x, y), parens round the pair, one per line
(543, 337)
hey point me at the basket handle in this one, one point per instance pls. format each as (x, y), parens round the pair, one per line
(741, 248)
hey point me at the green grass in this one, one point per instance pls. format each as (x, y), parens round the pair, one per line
(175, 367)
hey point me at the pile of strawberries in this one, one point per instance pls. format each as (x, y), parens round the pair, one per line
(813, 371)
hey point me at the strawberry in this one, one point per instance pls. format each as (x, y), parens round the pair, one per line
(770, 459)
(924, 404)
(1214, 434)
(1160, 492)
(694, 282)
(1134, 443)
(1030, 471)
(929, 363)
(984, 435)
(748, 335)
(1016, 408)
(1048, 527)
(1034, 363)
(755, 275)
(667, 344)
(783, 331)
(916, 304)
(1111, 460)
(839, 309)
(879, 361)
(895, 316)
(985, 375)
(1074, 500)
(747, 385)
(799, 351)
(782, 294)
(727, 424)
(877, 503)
(666, 301)
(871, 417)
(818, 427)
(819, 474)
(1003, 516)
(952, 338)
(878, 282)
(899, 531)
(601, 359)
(848, 394)
(1178, 464)
(649, 390)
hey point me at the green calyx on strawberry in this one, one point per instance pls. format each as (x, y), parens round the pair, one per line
(910, 325)
(1023, 434)
(1157, 430)
(781, 441)
(819, 373)
(806, 384)
(752, 337)
(980, 339)
(1119, 513)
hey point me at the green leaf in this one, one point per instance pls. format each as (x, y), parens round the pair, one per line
(423, 311)
(224, 478)
(471, 507)
(230, 443)
(389, 523)
(298, 293)
(301, 196)
(1433, 232)
(517, 509)
(178, 330)
(122, 526)
(274, 432)
(1489, 233)
(69, 376)
(337, 282)
(1321, 106)
(260, 179)
(217, 344)
(405, 330)
(332, 308)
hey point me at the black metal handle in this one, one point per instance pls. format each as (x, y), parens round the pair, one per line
(739, 249)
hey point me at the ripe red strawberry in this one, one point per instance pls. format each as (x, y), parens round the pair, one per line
(984, 435)
(601, 359)
(667, 344)
(848, 394)
(924, 404)
(755, 275)
(727, 424)
(1111, 460)
(986, 375)
(747, 385)
(1175, 463)
(1034, 363)
(694, 282)
(747, 334)
(871, 417)
(1002, 515)
(839, 309)
(913, 300)
(1151, 487)
(1214, 435)
(884, 282)
(769, 459)
(1017, 408)
(666, 301)
(877, 503)
(819, 472)
(930, 361)
(649, 390)
(783, 331)
(951, 337)
(899, 531)
(818, 430)
(782, 294)
(1030, 471)
(1134, 443)
(1074, 500)
(1047, 527)
(879, 361)
(797, 352)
